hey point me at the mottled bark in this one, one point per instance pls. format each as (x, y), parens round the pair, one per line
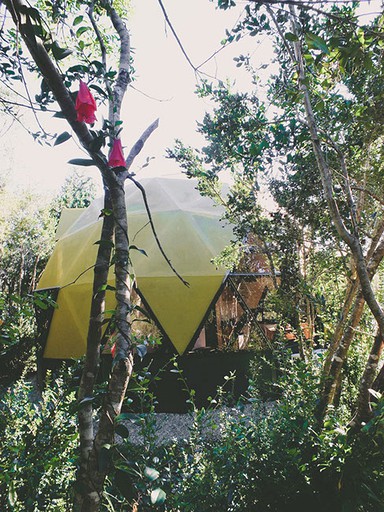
(373, 258)
(364, 409)
(378, 384)
(350, 296)
(92, 359)
(338, 359)
(91, 486)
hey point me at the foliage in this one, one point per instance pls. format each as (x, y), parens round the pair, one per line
(17, 335)
(38, 439)
(262, 456)
(26, 239)
(77, 191)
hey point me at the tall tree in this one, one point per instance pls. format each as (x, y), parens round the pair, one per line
(325, 136)
(319, 52)
(45, 31)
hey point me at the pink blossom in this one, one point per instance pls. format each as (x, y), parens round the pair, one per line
(85, 105)
(116, 156)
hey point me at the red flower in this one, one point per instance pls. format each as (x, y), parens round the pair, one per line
(85, 105)
(113, 351)
(116, 156)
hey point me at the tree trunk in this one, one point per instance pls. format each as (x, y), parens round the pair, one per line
(98, 449)
(338, 360)
(350, 296)
(364, 409)
(350, 237)
(92, 361)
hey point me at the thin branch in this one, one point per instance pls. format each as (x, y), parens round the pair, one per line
(140, 143)
(308, 6)
(102, 48)
(351, 239)
(16, 118)
(30, 106)
(123, 77)
(369, 192)
(78, 277)
(148, 95)
(195, 69)
(347, 183)
(147, 208)
(277, 25)
(28, 95)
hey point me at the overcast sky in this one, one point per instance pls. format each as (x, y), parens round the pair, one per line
(164, 87)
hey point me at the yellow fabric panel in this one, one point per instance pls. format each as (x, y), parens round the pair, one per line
(68, 331)
(179, 309)
(67, 218)
(72, 259)
(191, 234)
(189, 240)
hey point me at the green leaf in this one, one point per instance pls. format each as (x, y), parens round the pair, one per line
(41, 304)
(78, 20)
(375, 393)
(12, 494)
(158, 496)
(81, 31)
(99, 90)
(81, 161)
(77, 68)
(62, 138)
(151, 474)
(122, 431)
(97, 143)
(317, 42)
(141, 350)
(60, 115)
(106, 243)
(135, 248)
(105, 212)
(291, 37)
(123, 416)
(60, 53)
(86, 400)
(106, 287)
(253, 149)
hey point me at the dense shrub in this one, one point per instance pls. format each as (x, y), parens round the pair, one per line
(38, 440)
(262, 456)
(273, 458)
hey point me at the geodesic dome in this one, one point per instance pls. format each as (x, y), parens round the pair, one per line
(191, 234)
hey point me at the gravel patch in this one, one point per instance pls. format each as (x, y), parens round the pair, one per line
(171, 427)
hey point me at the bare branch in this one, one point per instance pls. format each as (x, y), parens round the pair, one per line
(123, 77)
(140, 143)
(102, 47)
(277, 25)
(148, 95)
(347, 183)
(369, 192)
(23, 105)
(158, 243)
(195, 69)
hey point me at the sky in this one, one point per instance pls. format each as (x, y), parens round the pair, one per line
(163, 88)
